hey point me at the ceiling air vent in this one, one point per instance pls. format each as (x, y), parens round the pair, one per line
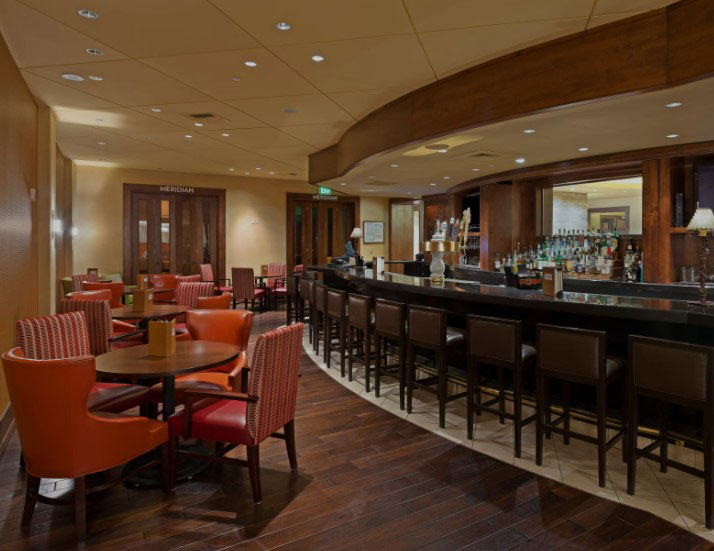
(483, 154)
(202, 116)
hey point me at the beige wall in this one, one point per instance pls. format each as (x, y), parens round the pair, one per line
(255, 214)
(375, 209)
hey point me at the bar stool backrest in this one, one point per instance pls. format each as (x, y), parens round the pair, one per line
(320, 291)
(310, 274)
(292, 285)
(427, 326)
(390, 317)
(674, 371)
(494, 340)
(580, 353)
(305, 285)
(336, 303)
(360, 310)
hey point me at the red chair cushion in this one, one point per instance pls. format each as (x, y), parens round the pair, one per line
(156, 392)
(116, 397)
(258, 291)
(222, 421)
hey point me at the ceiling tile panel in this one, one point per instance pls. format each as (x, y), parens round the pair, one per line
(294, 156)
(597, 20)
(215, 73)
(430, 15)
(625, 6)
(252, 138)
(361, 64)
(294, 110)
(126, 82)
(317, 20)
(360, 104)
(180, 115)
(121, 120)
(141, 28)
(59, 97)
(317, 135)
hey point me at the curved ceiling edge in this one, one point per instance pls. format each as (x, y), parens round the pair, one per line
(655, 50)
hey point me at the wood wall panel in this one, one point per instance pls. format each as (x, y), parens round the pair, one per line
(496, 227)
(18, 174)
(650, 219)
(690, 36)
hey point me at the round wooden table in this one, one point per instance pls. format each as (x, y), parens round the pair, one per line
(190, 356)
(157, 311)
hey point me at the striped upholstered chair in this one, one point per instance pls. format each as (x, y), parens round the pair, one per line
(207, 276)
(249, 418)
(78, 280)
(195, 278)
(187, 294)
(244, 289)
(65, 336)
(276, 285)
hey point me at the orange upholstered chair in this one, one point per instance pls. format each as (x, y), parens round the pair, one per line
(116, 289)
(230, 326)
(216, 302)
(166, 282)
(118, 327)
(267, 406)
(61, 438)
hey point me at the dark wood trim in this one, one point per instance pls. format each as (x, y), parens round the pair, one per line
(7, 424)
(656, 50)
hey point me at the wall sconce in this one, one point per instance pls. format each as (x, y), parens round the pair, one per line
(74, 231)
(57, 226)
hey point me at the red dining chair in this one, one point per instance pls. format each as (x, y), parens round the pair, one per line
(244, 289)
(166, 283)
(115, 288)
(195, 278)
(187, 294)
(277, 287)
(60, 436)
(78, 280)
(207, 276)
(216, 302)
(300, 268)
(65, 336)
(233, 418)
(118, 327)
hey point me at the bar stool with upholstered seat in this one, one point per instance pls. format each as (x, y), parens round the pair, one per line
(335, 313)
(655, 371)
(360, 324)
(319, 308)
(390, 326)
(497, 342)
(428, 330)
(575, 356)
(304, 307)
(292, 286)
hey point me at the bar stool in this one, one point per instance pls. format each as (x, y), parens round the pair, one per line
(319, 308)
(575, 356)
(390, 325)
(336, 312)
(360, 321)
(671, 373)
(305, 310)
(292, 289)
(428, 330)
(497, 342)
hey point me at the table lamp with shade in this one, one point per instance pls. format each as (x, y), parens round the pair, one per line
(702, 222)
(357, 235)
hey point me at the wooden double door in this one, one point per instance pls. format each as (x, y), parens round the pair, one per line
(318, 229)
(173, 232)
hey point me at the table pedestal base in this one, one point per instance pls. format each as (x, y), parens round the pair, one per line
(185, 468)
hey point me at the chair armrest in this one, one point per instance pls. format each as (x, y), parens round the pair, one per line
(127, 335)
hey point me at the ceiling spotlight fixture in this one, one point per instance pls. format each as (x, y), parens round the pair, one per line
(370, 190)
(520, 160)
(674, 104)
(257, 168)
(343, 183)
(94, 51)
(290, 110)
(432, 184)
(282, 26)
(188, 136)
(95, 77)
(583, 149)
(72, 77)
(442, 150)
(475, 169)
(198, 124)
(100, 120)
(156, 110)
(231, 169)
(101, 143)
(250, 64)
(271, 173)
(89, 14)
(317, 58)
(447, 177)
(529, 131)
(409, 192)
(235, 79)
(395, 166)
(673, 136)
(372, 177)
(225, 134)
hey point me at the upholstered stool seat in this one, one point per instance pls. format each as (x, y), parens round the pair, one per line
(528, 355)
(390, 326)
(454, 336)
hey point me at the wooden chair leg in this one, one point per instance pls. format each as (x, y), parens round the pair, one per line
(341, 325)
(254, 472)
(664, 435)
(441, 366)
(501, 397)
(547, 418)
(410, 376)
(33, 487)
(328, 341)
(377, 363)
(708, 513)
(80, 508)
(402, 371)
(632, 422)
(539, 416)
(601, 434)
(566, 412)
(367, 355)
(350, 352)
(470, 390)
(173, 471)
(290, 444)
(517, 411)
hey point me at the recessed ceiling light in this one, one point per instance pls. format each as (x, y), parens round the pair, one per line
(447, 177)
(100, 120)
(529, 131)
(520, 160)
(674, 104)
(235, 79)
(442, 150)
(95, 77)
(72, 77)
(101, 143)
(395, 166)
(370, 190)
(250, 64)
(318, 58)
(343, 183)
(89, 14)
(246, 173)
(673, 135)
(583, 149)
(271, 172)
(372, 177)
(231, 169)
(409, 192)
(198, 124)
(188, 136)
(156, 110)
(282, 26)
(257, 168)
(290, 110)
(475, 169)
(225, 134)
(94, 51)
(432, 184)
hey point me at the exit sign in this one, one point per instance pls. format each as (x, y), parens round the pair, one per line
(321, 190)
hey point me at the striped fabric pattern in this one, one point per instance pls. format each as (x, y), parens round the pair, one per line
(243, 280)
(276, 269)
(274, 379)
(55, 337)
(77, 280)
(98, 316)
(189, 278)
(207, 272)
(187, 293)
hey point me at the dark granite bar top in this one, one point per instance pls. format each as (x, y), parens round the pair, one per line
(642, 309)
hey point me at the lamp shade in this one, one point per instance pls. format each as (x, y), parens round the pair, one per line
(703, 220)
(357, 232)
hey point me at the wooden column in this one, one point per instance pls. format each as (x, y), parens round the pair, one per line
(651, 219)
(496, 228)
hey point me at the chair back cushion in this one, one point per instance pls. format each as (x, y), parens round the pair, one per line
(164, 281)
(575, 352)
(207, 273)
(274, 380)
(98, 316)
(427, 326)
(230, 326)
(187, 293)
(243, 280)
(77, 280)
(100, 294)
(299, 268)
(494, 339)
(217, 302)
(55, 337)
(278, 270)
(188, 279)
(116, 290)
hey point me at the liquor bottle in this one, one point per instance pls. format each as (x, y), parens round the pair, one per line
(497, 263)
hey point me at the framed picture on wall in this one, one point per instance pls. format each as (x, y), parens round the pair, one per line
(373, 232)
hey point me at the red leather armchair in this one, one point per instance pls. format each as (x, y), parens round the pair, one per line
(116, 289)
(166, 282)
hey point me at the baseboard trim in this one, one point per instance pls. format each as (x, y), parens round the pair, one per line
(7, 424)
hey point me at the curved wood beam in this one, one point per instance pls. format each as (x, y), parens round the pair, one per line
(659, 49)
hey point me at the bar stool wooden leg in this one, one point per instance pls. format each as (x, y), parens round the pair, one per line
(517, 410)
(410, 376)
(402, 370)
(477, 388)
(566, 412)
(501, 397)
(327, 335)
(539, 416)
(624, 415)
(664, 434)
(441, 366)
(632, 423)
(350, 350)
(546, 408)
(601, 433)
(341, 328)
(367, 359)
(708, 513)
(470, 390)
(377, 362)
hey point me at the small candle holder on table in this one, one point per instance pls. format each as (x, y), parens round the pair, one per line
(437, 250)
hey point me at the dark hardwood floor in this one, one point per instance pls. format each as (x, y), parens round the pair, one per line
(366, 480)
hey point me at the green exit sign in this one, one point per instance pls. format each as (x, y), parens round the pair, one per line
(321, 190)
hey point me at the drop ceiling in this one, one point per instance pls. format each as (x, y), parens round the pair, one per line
(166, 59)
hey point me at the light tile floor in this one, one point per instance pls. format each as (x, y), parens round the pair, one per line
(674, 496)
